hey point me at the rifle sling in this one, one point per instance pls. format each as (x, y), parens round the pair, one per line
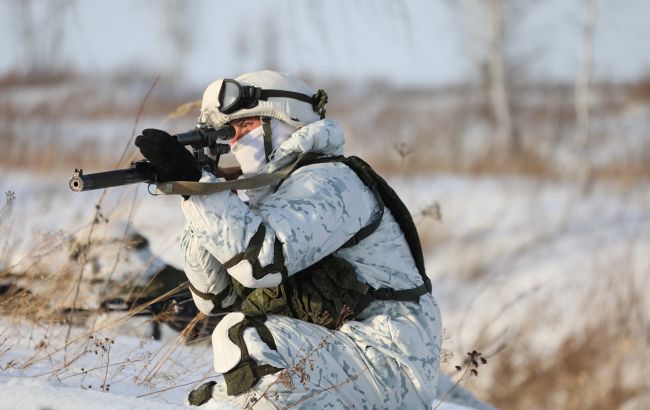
(255, 181)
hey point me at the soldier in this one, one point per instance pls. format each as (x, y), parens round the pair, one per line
(320, 277)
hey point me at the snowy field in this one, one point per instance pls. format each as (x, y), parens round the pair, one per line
(501, 252)
(546, 276)
(107, 350)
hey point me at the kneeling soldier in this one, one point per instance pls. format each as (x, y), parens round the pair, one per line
(320, 275)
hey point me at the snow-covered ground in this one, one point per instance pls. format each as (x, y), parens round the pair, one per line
(37, 227)
(511, 246)
(98, 370)
(107, 369)
(33, 394)
(505, 250)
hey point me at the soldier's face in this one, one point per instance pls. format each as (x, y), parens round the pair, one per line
(243, 126)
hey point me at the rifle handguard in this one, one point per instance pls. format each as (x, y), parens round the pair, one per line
(140, 171)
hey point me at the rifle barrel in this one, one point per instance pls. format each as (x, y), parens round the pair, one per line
(139, 172)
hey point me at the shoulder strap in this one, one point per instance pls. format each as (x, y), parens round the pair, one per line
(312, 159)
(398, 209)
(386, 197)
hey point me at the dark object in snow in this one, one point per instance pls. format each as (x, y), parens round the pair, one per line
(8, 289)
(201, 394)
(166, 298)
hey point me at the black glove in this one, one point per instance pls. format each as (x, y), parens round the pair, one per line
(168, 156)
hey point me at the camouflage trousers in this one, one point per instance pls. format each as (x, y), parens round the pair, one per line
(322, 369)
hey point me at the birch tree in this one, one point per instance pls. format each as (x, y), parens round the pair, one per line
(496, 73)
(583, 79)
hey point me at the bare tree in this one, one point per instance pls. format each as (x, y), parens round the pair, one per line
(176, 14)
(41, 30)
(583, 80)
(496, 74)
(26, 19)
(487, 35)
(271, 46)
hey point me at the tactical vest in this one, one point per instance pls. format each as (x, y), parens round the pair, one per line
(329, 292)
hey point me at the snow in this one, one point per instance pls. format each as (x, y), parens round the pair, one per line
(34, 375)
(532, 240)
(535, 242)
(32, 394)
(33, 363)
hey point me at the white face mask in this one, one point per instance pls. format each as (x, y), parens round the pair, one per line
(249, 149)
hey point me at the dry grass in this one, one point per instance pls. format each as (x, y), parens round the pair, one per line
(599, 366)
(42, 294)
(38, 300)
(42, 116)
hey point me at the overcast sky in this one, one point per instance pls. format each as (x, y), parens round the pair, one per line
(414, 42)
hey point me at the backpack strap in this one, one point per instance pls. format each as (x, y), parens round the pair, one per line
(404, 295)
(312, 159)
(386, 197)
(384, 194)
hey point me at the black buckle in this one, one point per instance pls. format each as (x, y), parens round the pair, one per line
(251, 92)
(250, 97)
(427, 283)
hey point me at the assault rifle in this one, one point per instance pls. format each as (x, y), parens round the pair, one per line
(206, 148)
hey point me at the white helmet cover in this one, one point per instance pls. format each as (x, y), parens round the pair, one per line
(294, 112)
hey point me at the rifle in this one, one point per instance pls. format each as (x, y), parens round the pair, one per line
(206, 149)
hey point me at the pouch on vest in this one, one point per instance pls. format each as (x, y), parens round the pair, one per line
(326, 293)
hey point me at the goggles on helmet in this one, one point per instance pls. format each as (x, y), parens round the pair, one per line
(234, 96)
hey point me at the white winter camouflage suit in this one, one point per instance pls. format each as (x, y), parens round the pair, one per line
(389, 356)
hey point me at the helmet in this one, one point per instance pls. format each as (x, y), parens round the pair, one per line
(265, 94)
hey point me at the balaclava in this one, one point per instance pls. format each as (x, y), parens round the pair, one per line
(249, 149)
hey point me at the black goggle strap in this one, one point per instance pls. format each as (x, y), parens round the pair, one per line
(317, 101)
(268, 133)
(266, 94)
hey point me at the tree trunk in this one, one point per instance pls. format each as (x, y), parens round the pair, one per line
(583, 80)
(497, 86)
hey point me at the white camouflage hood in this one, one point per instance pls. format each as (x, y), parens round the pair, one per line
(323, 137)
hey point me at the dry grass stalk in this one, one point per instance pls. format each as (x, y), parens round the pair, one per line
(473, 361)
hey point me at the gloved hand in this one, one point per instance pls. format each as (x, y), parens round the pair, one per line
(168, 156)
